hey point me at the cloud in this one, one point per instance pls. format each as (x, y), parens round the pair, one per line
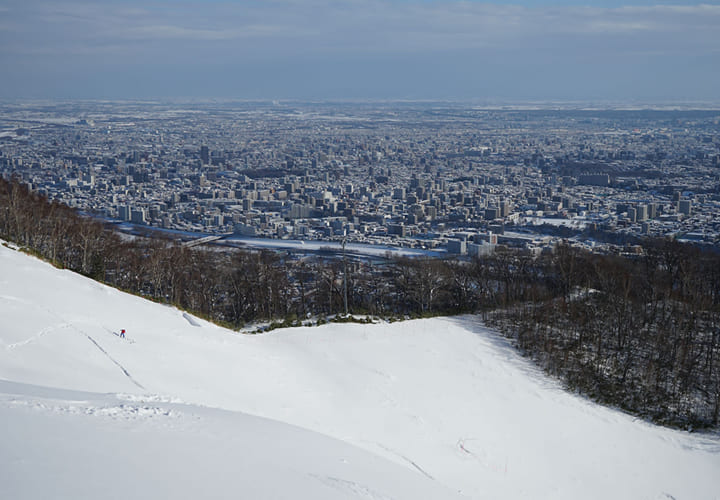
(177, 32)
(364, 26)
(360, 36)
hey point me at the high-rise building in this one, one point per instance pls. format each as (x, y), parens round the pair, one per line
(632, 214)
(685, 207)
(652, 210)
(505, 208)
(137, 216)
(492, 213)
(457, 246)
(124, 212)
(205, 155)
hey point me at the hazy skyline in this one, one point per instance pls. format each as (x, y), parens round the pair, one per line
(334, 49)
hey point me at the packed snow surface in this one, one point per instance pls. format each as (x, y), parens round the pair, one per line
(434, 408)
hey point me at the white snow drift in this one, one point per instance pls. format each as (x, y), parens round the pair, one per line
(437, 408)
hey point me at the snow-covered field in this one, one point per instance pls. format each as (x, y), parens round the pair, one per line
(437, 408)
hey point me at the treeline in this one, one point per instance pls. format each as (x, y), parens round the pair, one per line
(641, 332)
(231, 286)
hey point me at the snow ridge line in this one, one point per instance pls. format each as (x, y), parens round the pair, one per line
(127, 374)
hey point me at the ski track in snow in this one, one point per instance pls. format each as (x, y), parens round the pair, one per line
(117, 412)
(67, 324)
(127, 374)
(406, 459)
(356, 489)
(149, 398)
(486, 462)
(37, 336)
(126, 339)
(114, 406)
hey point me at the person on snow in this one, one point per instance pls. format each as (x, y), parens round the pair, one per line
(122, 333)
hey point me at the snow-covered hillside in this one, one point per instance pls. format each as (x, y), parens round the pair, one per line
(437, 408)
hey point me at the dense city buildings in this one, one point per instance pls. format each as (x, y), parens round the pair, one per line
(443, 176)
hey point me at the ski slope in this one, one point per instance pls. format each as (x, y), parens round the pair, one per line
(435, 408)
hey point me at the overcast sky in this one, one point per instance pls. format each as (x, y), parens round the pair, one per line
(646, 50)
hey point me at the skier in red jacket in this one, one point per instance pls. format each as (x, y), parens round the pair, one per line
(122, 333)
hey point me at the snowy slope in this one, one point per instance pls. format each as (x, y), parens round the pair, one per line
(74, 445)
(449, 403)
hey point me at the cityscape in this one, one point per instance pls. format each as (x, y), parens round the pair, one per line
(433, 176)
(360, 249)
